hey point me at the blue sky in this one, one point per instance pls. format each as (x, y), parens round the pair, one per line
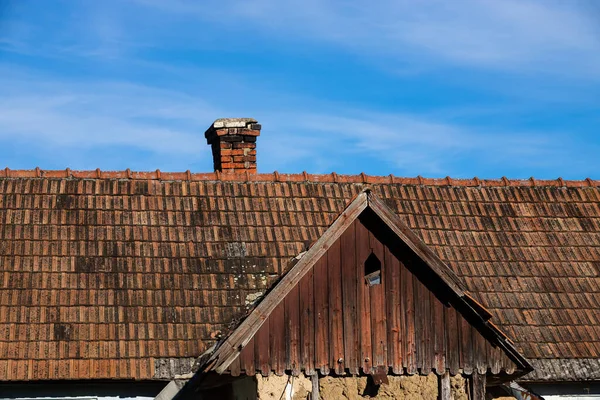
(434, 88)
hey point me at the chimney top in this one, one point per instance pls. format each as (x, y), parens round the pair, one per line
(234, 123)
(233, 142)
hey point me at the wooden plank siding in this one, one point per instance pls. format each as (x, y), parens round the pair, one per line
(247, 358)
(334, 321)
(364, 316)
(336, 327)
(292, 331)
(349, 294)
(377, 295)
(277, 339)
(392, 307)
(322, 336)
(307, 323)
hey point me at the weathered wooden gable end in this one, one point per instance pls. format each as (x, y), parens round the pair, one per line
(333, 320)
(324, 315)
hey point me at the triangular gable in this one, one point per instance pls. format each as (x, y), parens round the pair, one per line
(419, 318)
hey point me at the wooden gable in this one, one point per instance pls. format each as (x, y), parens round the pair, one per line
(326, 315)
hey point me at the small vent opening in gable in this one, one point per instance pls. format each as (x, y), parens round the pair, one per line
(373, 270)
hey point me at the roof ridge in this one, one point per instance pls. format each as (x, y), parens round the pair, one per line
(298, 177)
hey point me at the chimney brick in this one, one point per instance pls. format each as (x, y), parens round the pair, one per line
(233, 142)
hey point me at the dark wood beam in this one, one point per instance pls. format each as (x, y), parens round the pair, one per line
(478, 386)
(444, 385)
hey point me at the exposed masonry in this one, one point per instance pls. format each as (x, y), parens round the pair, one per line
(171, 368)
(303, 177)
(233, 142)
(252, 298)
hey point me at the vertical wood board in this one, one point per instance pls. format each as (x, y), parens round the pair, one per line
(363, 251)
(262, 350)
(349, 309)
(292, 331)
(322, 337)
(277, 339)
(307, 323)
(336, 326)
(378, 309)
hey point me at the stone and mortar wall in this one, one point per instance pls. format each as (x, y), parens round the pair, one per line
(458, 388)
(415, 387)
(272, 387)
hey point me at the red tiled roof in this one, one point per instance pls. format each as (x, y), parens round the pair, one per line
(304, 176)
(107, 274)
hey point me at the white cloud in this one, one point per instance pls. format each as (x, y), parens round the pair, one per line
(509, 35)
(77, 119)
(74, 117)
(410, 144)
(518, 36)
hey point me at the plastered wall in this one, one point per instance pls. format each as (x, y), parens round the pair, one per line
(414, 387)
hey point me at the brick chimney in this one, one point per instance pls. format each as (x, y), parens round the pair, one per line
(233, 142)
